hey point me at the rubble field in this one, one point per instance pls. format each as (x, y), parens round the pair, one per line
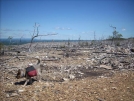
(97, 72)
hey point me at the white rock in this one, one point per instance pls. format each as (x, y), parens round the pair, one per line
(105, 89)
(21, 90)
(14, 94)
(7, 95)
(65, 79)
(114, 88)
(37, 57)
(71, 76)
(80, 73)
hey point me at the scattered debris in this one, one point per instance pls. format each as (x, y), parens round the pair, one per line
(68, 70)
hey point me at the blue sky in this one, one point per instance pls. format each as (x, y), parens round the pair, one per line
(71, 19)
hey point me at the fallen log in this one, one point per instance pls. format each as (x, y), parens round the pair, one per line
(51, 59)
(111, 53)
(118, 53)
(100, 52)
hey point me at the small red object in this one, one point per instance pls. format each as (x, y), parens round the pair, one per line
(32, 73)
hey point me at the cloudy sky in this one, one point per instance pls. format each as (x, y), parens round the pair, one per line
(71, 19)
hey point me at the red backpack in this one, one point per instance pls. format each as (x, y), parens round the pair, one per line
(31, 71)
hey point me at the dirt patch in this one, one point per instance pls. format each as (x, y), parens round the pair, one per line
(116, 88)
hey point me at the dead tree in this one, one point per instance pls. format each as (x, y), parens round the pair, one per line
(10, 39)
(10, 42)
(36, 34)
(20, 40)
(114, 33)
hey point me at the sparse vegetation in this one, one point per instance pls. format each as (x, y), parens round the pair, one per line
(116, 36)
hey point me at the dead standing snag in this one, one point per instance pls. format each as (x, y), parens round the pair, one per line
(36, 34)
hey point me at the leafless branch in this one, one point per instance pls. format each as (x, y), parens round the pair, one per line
(48, 34)
(36, 34)
(113, 27)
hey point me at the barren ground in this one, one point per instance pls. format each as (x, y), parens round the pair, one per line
(89, 84)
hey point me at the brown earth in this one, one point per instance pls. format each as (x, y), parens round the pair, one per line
(119, 87)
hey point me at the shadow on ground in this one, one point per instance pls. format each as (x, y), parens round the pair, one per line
(23, 82)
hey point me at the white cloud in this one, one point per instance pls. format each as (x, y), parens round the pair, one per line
(90, 32)
(123, 29)
(20, 30)
(83, 32)
(69, 28)
(63, 28)
(6, 29)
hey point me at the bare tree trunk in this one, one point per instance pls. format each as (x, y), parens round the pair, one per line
(36, 34)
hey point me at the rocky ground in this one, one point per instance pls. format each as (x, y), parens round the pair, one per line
(96, 73)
